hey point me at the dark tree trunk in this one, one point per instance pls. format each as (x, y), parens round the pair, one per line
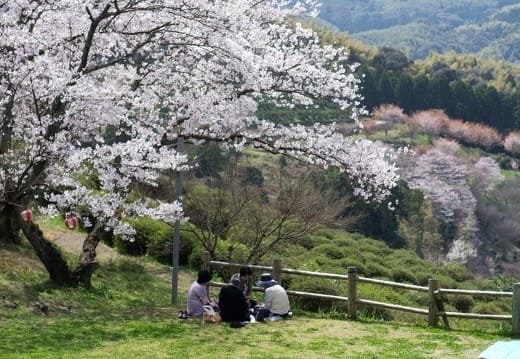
(55, 263)
(49, 254)
(87, 260)
(8, 226)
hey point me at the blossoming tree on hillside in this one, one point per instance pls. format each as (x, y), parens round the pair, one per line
(98, 91)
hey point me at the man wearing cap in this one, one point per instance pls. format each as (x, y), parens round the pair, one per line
(276, 304)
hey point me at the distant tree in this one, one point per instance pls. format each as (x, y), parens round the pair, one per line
(390, 115)
(209, 159)
(432, 122)
(474, 134)
(488, 102)
(444, 179)
(404, 93)
(391, 59)
(512, 143)
(385, 89)
(422, 230)
(498, 217)
(371, 219)
(369, 89)
(420, 93)
(485, 175)
(439, 92)
(443, 69)
(464, 101)
(235, 220)
(253, 176)
(506, 117)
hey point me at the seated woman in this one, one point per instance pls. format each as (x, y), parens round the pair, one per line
(232, 303)
(198, 294)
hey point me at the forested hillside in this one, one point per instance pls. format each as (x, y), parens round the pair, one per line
(469, 87)
(487, 27)
(461, 114)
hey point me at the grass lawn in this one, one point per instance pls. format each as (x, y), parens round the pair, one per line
(127, 315)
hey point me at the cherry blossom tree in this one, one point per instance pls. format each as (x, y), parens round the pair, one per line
(445, 180)
(99, 91)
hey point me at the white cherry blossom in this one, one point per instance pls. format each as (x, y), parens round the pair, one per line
(104, 88)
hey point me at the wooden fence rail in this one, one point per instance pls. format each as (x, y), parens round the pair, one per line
(435, 301)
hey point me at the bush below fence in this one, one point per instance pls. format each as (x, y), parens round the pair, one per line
(434, 312)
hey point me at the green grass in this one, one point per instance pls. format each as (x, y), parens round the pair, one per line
(127, 314)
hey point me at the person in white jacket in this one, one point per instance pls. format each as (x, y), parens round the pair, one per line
(276, 305)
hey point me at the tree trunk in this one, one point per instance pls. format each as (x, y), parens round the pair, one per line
(54, 261)
(8, 226)
(87, 260)
(49, 254)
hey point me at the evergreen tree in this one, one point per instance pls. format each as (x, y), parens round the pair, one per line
(420, 93)
(488, 102)
(369, 89)
(404, 93)
(464, 101)
(506, 121)
(385, 88)
(439, 92)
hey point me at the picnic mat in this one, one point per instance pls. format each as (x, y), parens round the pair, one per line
(502, 350)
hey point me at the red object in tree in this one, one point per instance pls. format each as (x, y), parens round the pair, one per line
(71, 221)
(26, 215)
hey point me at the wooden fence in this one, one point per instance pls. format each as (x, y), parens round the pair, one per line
(435, 303)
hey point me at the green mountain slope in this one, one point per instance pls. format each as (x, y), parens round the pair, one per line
(489, 27)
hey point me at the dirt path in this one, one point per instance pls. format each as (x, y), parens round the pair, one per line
(72, 241)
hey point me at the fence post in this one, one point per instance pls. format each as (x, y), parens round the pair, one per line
(433, 316)
(205, 259)
(277, 270)
(516, 311)
(352, 292)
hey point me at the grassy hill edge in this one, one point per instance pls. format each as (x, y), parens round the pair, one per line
(128, 313)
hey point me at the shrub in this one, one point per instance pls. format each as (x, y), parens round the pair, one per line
(483, 136)
(423, 278)
(386, 116)
(156, 235)
(417, 298)
(348, 262)
(462, 303)
(403, 275)
(505, 162)
(381, 294)
(313, 285)
(458, 272)
(307, 242)
(377, 270)
(155, 238)
(194, 259)
(487, 308)
(390, 113)
(370, 127)
(369, 311)
(404, 258)
(512, 143)
(446, 281)
(136, 247)
(432, 122)
(331, 251)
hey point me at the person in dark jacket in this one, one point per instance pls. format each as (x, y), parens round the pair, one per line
(232, 303)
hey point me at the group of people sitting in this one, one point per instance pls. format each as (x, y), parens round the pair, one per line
(234, 302)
